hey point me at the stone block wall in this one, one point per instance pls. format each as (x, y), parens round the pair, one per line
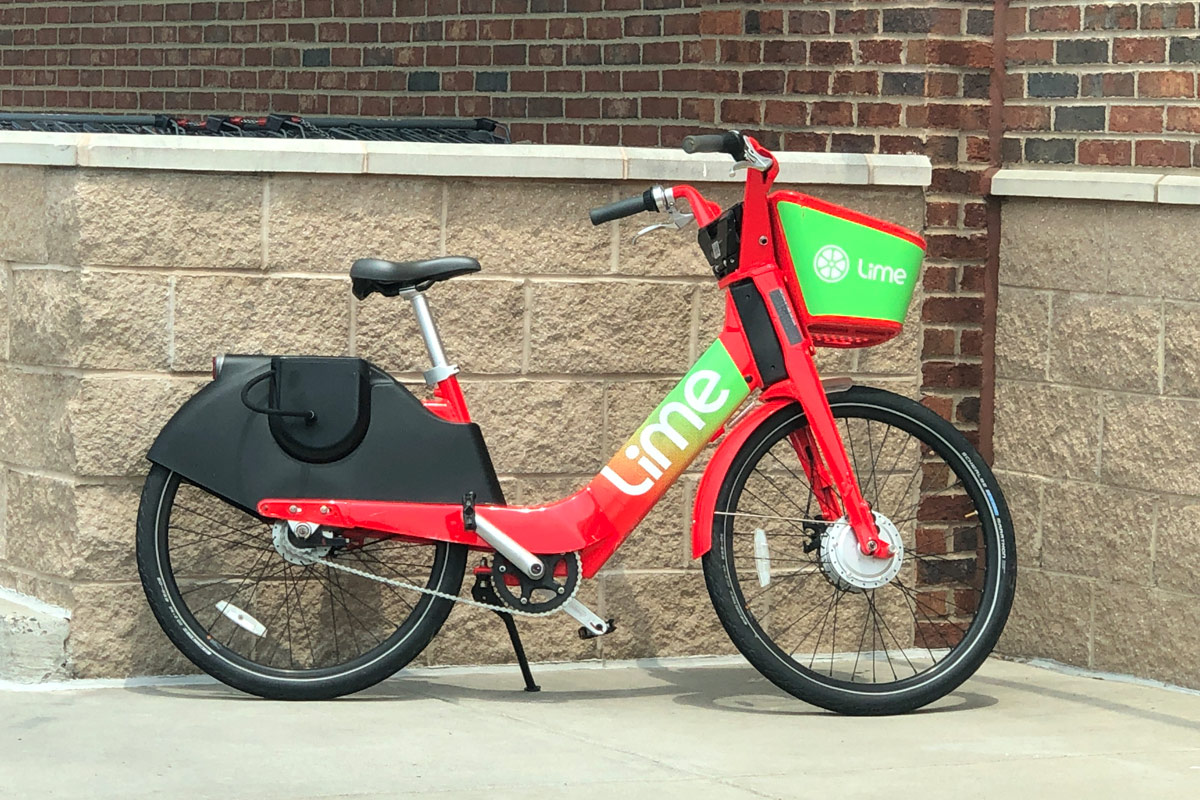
(117, 287)
(1102, 84)
(1097, 442)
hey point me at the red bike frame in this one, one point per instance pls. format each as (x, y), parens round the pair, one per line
(597, 519)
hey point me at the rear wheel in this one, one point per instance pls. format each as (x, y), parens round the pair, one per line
(247, 603)
(848, 633)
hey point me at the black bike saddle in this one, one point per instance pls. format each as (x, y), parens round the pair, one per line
(389, 278)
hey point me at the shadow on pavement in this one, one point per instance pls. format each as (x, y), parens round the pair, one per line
(731, 689)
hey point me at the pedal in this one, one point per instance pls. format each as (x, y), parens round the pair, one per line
(586, 634)
(593, 626)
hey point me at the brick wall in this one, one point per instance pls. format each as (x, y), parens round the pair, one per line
(847, 75)
(1103, 84)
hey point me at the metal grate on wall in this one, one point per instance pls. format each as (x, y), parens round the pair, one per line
(278, 126)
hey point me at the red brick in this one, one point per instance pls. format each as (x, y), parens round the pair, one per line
(760, 22)
(1183, 118)
(856, 83)
(880, 51)
(1027, 118)
(879, 115)
(1105, 152)
(952, 309)
(938, 342)
(856, 21)
(1139, 50)
(832, 113)
(1166, 84)
(975, 215)
(720, 22)
(941, 214)
(1152, 153)
(978, 148)
(830, 53)
(740, 112)
(762, 81)
(948, 375)
(1054, 18)
(786, 113)
(809, 22)
(808, 82)
(785, 52)
(938, 279)
(1136, 119)
(971, 342)
(959, 53)
(1160, 16)
(941, 84)
(956, 248)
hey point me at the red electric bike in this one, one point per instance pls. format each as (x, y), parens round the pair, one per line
(305, 527)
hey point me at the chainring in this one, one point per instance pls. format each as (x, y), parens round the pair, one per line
(537, 595)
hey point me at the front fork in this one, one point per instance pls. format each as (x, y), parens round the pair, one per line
(819, 447)
(827, 465)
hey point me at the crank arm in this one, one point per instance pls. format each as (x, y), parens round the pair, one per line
(593, 626)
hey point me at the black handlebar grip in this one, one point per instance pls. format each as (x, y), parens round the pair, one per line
(730, 143)
(624, 208)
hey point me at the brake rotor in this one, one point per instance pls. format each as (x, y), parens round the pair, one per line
(537, 595)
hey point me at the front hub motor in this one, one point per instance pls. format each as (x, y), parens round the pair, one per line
(848, 567)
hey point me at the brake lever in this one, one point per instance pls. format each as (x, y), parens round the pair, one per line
(677, 219)
(753, 160)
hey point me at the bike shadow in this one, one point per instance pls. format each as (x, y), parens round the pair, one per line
(736, 689)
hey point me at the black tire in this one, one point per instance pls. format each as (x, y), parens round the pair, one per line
(976, 565)
(378, 638)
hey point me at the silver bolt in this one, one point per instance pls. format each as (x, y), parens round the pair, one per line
(501, 569)
(524, 601)
(535, 570)
(293, 509)
(762, 240)
(303, 531)
(324, 509)
(562, 590)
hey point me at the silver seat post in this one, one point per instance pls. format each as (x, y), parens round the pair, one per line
(433, 343)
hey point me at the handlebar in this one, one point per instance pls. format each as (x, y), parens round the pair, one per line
(624, 208)
(730, 142)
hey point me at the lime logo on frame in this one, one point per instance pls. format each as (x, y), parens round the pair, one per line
(831, 263)
(701, 395)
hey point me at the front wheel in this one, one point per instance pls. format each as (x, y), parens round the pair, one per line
(852, 634)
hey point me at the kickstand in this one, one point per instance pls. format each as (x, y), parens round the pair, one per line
(484, 592)
(522, 662)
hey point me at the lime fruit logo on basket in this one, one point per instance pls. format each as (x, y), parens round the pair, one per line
(831, 263)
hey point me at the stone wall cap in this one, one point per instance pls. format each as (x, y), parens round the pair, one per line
(568, 162)
(1090, 184)
(13, 602)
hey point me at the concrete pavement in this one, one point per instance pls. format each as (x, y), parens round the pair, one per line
(681, 729)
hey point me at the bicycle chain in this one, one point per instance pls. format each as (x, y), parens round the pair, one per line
(452, 597)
